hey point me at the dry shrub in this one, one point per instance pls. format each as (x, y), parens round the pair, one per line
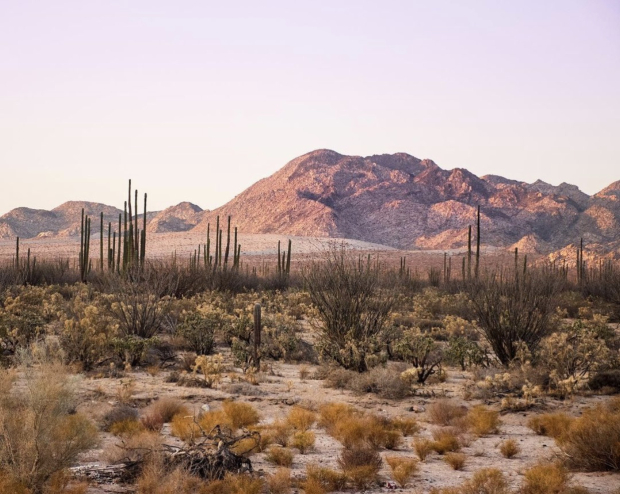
(240, 414)
(455, 460)
(444, 412)
(407, 426)
(361, 465)
(482, 421)
(119, 414)
(185, 427)
(246, 447)
(210, 419)
(303, 441)
(152, 421)
(371, 430)
(279, 482)
(301, 419)
(423, 448)
(283, 457)
(155, 481)
(126, 428)
(445, 441)
(385, 382)
(279, 432)
(402, 468)
(313, 486)
(592, 442)
(553, 425)
(509, 448)
(324, 479)
(234, 484)
(486, 481)
(332, 413)
(551, 478)
(135, 448)
(40, 433)
(167, 408)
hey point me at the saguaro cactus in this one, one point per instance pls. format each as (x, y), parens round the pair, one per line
(257, 334)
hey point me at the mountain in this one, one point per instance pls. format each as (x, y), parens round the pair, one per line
(405, 202)
(179, 218)
(63, 220)
(396, 200)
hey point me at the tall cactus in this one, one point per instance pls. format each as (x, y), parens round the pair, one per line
(257, 334)
(84, 260)
(477, 244)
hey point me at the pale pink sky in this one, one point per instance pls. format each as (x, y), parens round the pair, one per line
(196, 100)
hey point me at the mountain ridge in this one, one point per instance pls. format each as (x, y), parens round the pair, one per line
(392, 199)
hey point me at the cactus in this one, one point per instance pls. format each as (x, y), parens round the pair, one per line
(17, 253)
(477, 268)
(469, 253)
(101, 242)
(257, 335)
(84, 261)
(227, 244)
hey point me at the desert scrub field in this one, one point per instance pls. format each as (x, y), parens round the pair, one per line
(347, 377)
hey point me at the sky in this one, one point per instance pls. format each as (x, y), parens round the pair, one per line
(197, 100)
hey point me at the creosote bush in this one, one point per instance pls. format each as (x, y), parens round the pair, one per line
(351, 306)
(40, 435)
(592, 441)
(515, 311)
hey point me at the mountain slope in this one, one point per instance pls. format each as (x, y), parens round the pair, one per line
(396, 200)
(405, 202)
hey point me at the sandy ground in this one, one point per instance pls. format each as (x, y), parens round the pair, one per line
(282, 388)
(259, 249)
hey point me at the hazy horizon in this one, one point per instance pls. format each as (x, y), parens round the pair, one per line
(196, 101)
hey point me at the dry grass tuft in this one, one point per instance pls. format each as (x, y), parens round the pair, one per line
(455, 460)
(127, 428)
(550, 424)
(283, 457)
(361, 465)
(403, 469)
(592, 442)
(333, 413)
(167, 408)
(185, 427)
(551, 478)
(303, 441)
(423, 448)
(446, 441)
(509, 448)
(279, 482)
(301, 419)
(240, 414)
(407, 426)
(444, 412)
(325, 479)
(482, 421)
(486, 481)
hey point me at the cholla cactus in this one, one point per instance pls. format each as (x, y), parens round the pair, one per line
(211, 368)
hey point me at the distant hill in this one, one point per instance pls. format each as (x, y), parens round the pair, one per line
(395, 200)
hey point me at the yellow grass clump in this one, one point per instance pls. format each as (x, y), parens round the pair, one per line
(403, 469)
(509, 448)
(482, 421)
(283, 457)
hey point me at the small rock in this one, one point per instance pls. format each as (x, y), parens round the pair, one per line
(205, 407)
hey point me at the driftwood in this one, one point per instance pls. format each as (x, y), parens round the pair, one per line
(208, 457)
